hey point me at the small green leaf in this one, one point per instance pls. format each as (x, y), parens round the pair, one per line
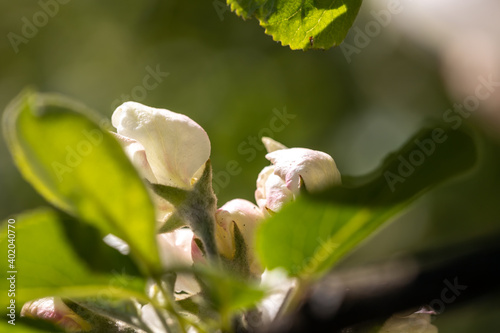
(48, 263)
(312, 234)
(79, 167)
(174, 222)
(174, 195)
(302, 24)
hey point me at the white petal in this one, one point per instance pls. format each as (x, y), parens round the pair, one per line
(187, 284)
(271, 193)
(277, 193)
(136, 153)
(117, 243)
(317, 169)
(150, 317)
(260, 192)
(176, 146)
(175, 251)
(175, 248)
(272, 145)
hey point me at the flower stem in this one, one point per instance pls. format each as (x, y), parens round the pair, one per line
(170, 306)
(294, 298)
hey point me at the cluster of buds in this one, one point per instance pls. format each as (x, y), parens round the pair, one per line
(170, 151)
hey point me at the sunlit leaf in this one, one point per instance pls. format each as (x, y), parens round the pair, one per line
(79, 167)
(228, 293)
(301, 24)
(48, 263)
(310, 235)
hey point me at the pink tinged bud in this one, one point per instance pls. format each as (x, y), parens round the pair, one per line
(280, 183)
(271, 193)
(176, 148)
(54, 310)
(246, 216)
(317, 169)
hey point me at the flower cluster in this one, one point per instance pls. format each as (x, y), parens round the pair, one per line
(171, 150)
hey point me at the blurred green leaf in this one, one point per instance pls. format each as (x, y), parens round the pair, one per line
(28, 325)
(310, 235)
(302, 24)
(105, 316)
(79, 167)
(48, 263)
(228, 293)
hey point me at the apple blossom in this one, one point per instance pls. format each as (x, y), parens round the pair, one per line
(167, 148)
(291, 169)
(54, 310)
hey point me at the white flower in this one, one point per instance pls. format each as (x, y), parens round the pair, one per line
(54, 310)
(280, 182)
(246, 216)
(167, 148)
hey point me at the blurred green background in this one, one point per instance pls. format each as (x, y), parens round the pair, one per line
(231, 78)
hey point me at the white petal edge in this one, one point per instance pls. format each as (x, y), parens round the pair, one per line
(317, 169)
(175, 145)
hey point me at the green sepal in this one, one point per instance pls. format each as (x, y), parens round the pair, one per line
(239, 264)
(195, 208)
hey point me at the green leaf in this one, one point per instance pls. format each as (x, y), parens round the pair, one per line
(312, 234)
(28, 325)
(47, 263)
(302, 24)
(226, 292)
(120, 316)
(79, 167)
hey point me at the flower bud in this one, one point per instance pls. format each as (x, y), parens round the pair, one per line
(246, 216)
(166, 147)
(291, 169)
(175, 146)
(54, 310)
